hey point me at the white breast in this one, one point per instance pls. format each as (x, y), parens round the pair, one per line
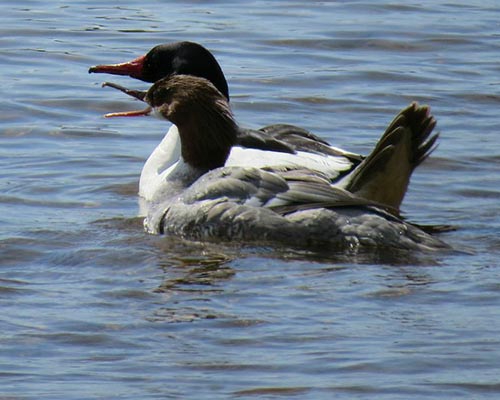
(159, 164)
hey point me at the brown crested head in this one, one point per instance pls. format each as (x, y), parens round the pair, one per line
(202, 115)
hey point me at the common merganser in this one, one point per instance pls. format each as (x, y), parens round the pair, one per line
(282, 145)
(205, 199)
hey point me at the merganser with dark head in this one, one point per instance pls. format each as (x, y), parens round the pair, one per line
(282, 145)
(204, 199)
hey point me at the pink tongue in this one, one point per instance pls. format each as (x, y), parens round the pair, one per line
(138, 113)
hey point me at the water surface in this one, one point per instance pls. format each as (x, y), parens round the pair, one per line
(92, 307)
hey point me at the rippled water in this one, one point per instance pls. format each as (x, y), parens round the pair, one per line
(92, 307)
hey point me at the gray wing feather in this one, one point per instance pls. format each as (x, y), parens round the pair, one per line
(283, 191)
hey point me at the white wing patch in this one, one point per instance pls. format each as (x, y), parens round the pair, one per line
(329, 165)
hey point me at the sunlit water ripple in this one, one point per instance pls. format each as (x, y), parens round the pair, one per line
(94, 308)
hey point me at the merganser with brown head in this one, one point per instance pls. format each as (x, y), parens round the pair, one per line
(204, 199)
(383, 180)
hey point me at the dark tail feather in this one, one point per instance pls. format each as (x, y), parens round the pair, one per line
(385, 174)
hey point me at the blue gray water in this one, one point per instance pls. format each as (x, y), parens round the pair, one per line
(93, 308)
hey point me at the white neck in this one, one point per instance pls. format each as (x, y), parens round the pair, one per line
(159, 164)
